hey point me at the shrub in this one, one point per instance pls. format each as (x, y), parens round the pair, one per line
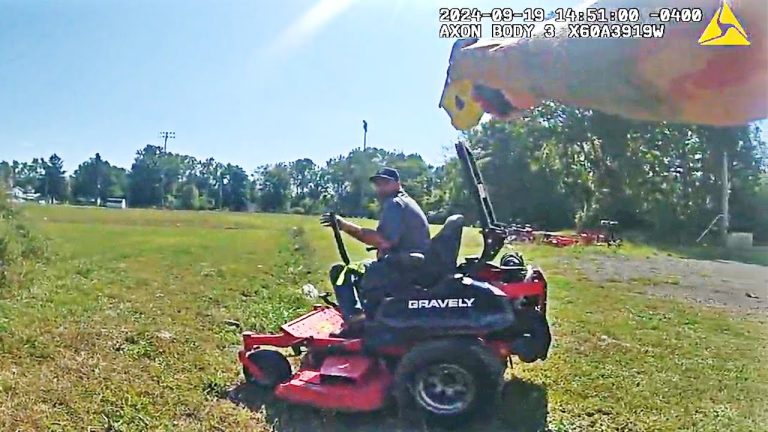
(190, 198)
(20, 248)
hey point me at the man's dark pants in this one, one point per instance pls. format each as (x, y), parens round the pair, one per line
(361, 292)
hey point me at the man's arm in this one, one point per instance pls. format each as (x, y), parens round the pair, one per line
(383, 238)
(365, 235)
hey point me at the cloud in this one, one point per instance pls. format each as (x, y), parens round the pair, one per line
(313, 20)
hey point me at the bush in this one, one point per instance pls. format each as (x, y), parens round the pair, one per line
(296, 210)
(20, 248)
(190, 198)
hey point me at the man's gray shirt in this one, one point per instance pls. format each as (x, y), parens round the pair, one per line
(404, 224)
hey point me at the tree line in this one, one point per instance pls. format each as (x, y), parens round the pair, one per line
(557, 167)
(163, 179)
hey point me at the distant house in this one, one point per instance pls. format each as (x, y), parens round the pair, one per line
(116, 203)
(18, 195)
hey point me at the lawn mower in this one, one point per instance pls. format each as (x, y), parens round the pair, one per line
(559, 240)
(604, 236)
(517, 233)
(439, 350)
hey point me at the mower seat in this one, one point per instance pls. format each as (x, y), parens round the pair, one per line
(405, 261)
(443, 251)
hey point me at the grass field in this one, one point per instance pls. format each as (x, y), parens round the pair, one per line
(124, 330)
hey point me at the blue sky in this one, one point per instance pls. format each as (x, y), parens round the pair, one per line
(247, 82)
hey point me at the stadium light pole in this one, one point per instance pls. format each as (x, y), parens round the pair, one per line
(365, 146)
(165, 136)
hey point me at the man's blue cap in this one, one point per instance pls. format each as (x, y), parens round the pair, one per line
(386, 173)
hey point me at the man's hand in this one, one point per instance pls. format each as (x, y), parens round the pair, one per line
(327, 219)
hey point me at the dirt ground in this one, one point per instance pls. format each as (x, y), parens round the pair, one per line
(734, 285)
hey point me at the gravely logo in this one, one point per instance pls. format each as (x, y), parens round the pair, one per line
(442, 303)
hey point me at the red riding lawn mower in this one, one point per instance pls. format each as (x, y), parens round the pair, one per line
(439, 347)
(605, 236)
(517, 233)
(559, 240)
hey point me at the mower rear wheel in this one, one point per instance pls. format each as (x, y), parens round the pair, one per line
(273, 365)
(448, 382)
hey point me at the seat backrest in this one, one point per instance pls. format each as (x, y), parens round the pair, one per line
(440, 259)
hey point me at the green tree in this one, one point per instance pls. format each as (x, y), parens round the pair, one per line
(25, 175)
(563, 166)
(415, 174)
(301, 172)
(97, 178)
(309, 187)
(235, 188)
(145, 187)
(274, 187)
(6, 175)
(52, 183)
(524, 189)
(214, 172)
(761, 211)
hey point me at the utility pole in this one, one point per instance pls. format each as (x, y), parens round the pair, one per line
(726, 192)
(165, 136)
(221, 189)
(365, 135)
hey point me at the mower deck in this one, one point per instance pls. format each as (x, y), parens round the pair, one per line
(342, 383)
(314, 326)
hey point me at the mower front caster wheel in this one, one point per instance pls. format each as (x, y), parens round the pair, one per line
(273, 365)
(448, 382)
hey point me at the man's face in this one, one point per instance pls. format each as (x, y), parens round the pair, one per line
(385, 187)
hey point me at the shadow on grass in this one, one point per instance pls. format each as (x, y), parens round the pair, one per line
(524, 408)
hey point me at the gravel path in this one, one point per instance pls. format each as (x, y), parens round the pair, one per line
(730, 284)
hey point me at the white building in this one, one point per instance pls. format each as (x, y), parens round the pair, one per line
(18, 195)
(116, 203)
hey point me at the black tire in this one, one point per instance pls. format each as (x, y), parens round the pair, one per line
(448, 382)
(275, 366)
(536, 345)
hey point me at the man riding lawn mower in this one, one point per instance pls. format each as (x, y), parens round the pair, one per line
(401, 239)
(433, 334)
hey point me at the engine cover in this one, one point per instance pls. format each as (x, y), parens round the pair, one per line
(457, 305)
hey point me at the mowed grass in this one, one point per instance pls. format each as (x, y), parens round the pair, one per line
(125, 330)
